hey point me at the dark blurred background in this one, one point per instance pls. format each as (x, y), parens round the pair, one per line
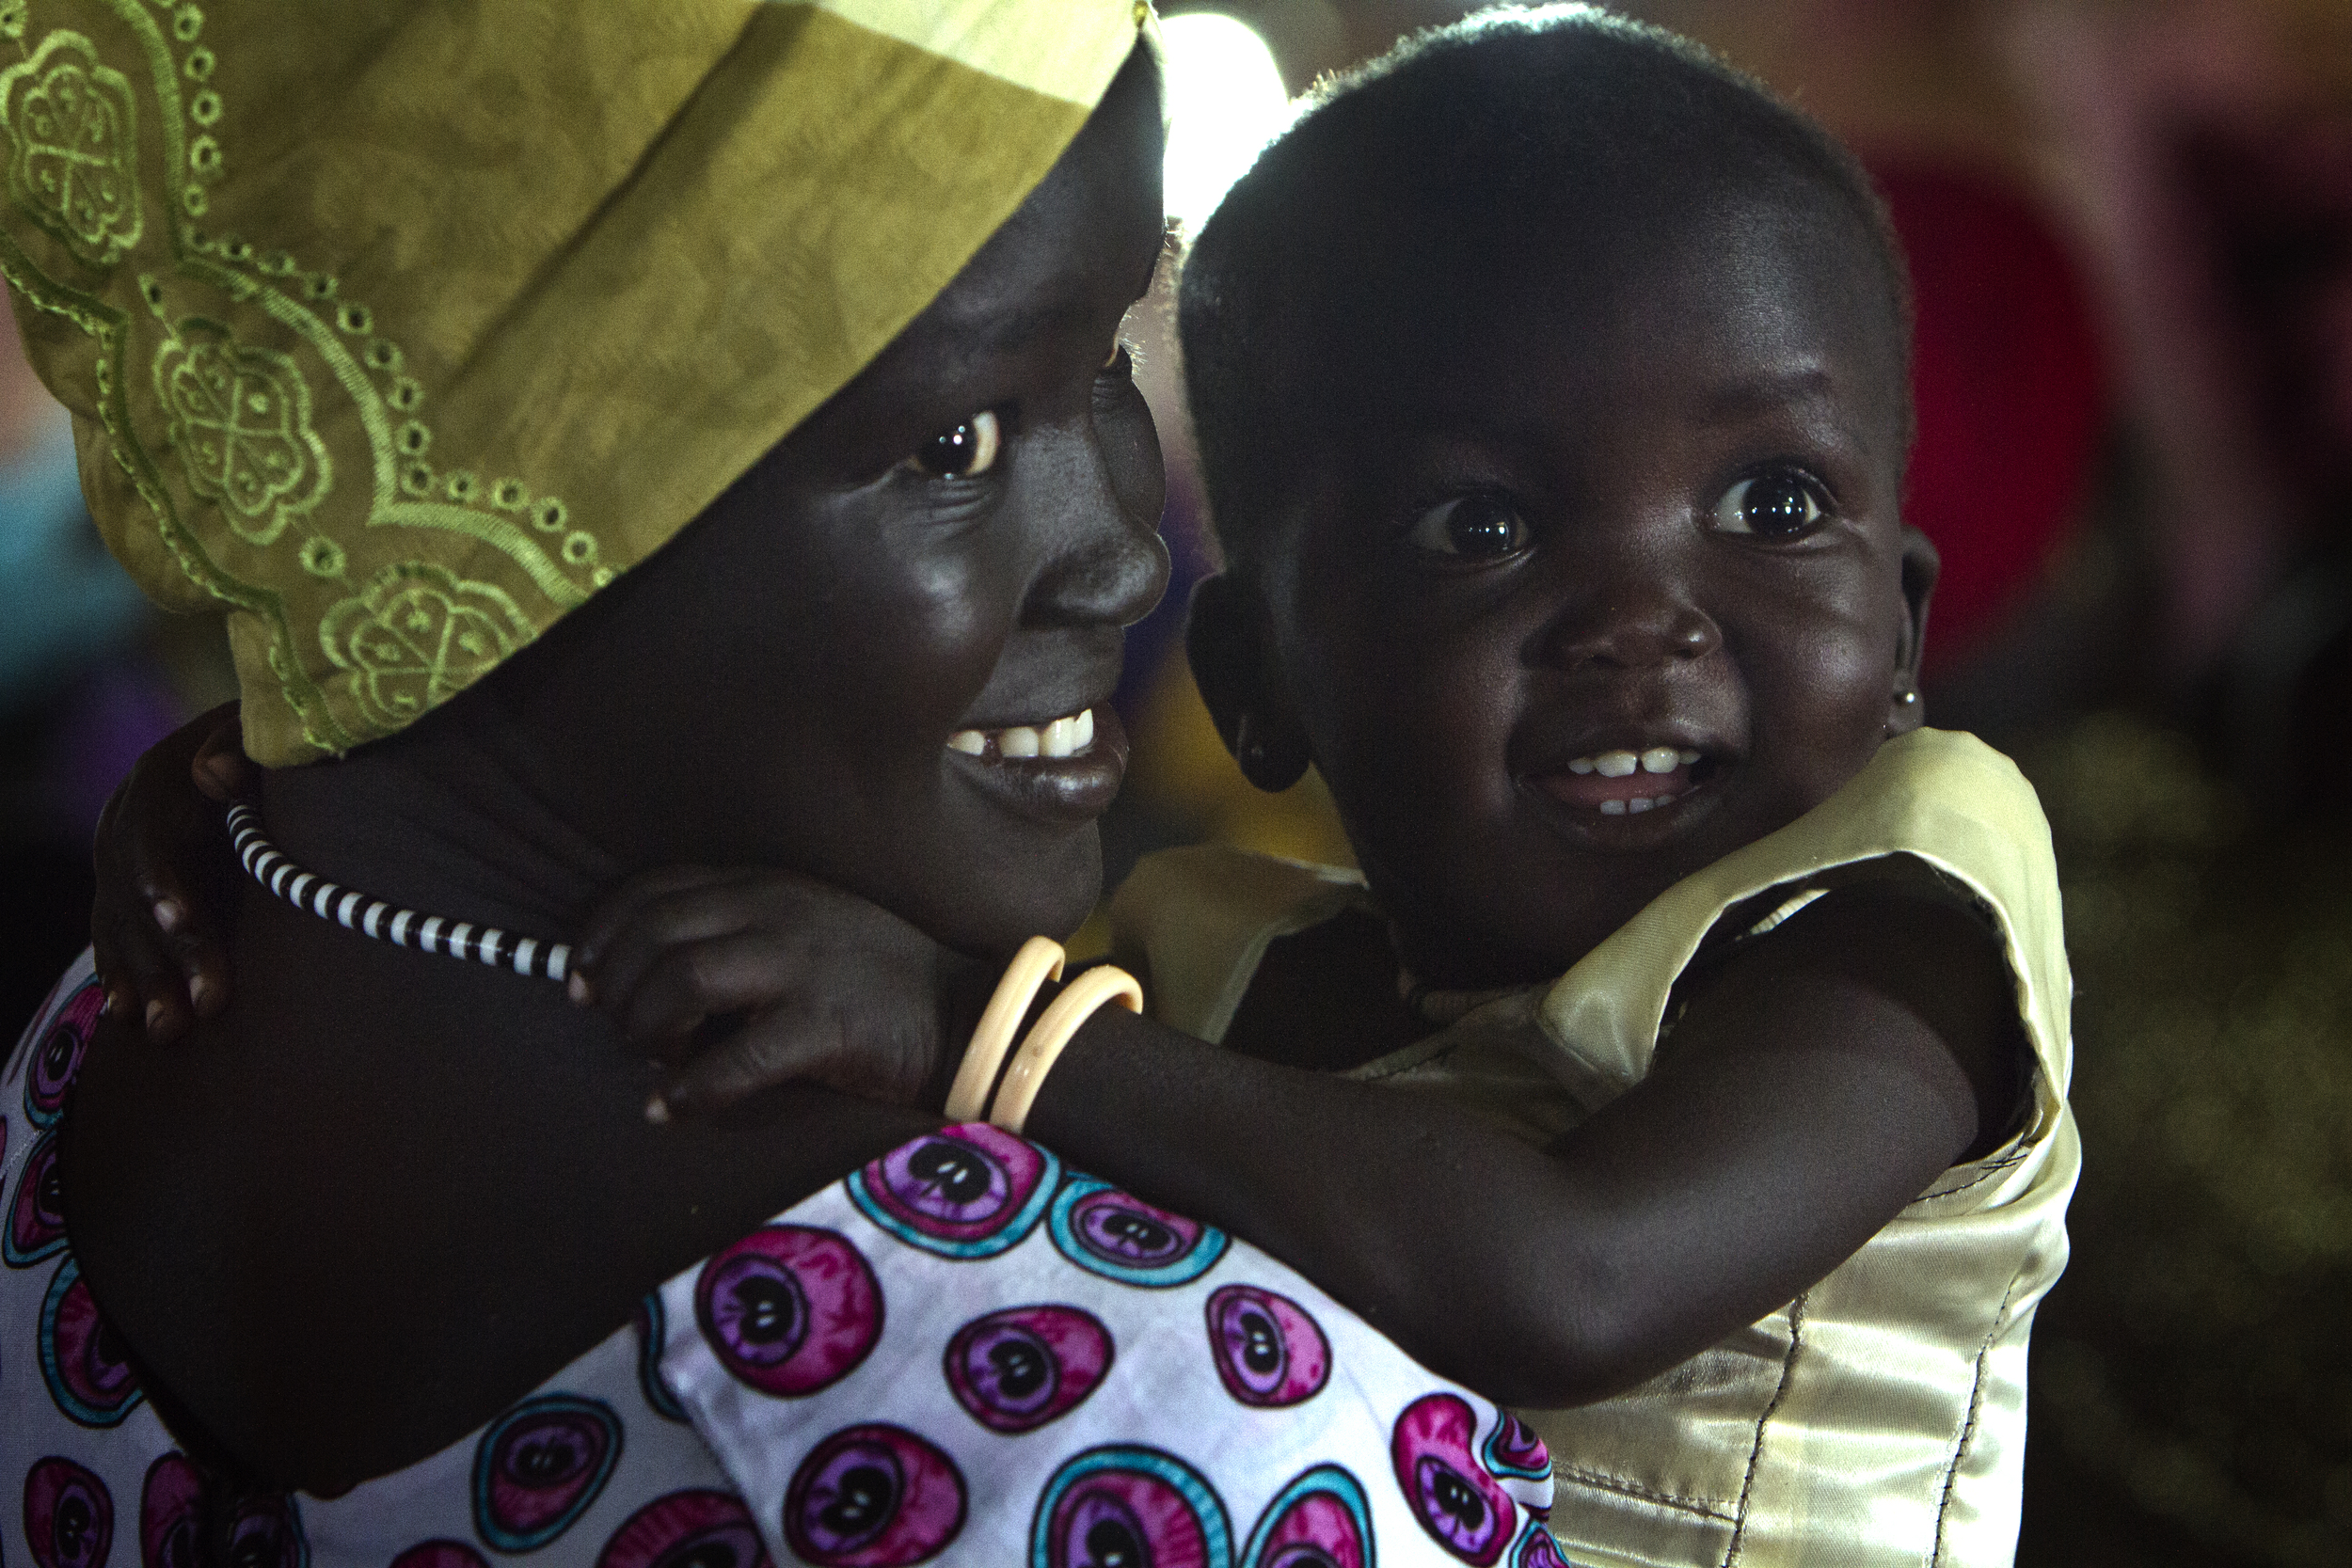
(2129, 227)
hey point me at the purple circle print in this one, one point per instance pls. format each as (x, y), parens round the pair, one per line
(789, 1310)
(171, 1514)
(1113, 1507)
(87, 1377)
(1450, 1492)
(69, 1518)
(538, 1468)
(1268, 1351)
(970, 1190)
(1017, 1369)
(35, 1229)
(1119, 1236)
(873, 1496)
(58, 1057)
(687, 1529)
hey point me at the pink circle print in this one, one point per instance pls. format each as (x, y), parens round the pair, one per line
(873, 1496)
(439, 1554)
(1537, 1549)
(1320, 1520)
(87, 1376)
(1113, 1507)
(58, 1057)
(970, 1191)
(1017, 1369)
(789, 1310)
(171, 1514)
(69, 1518)
(688, 1529)
(1268, 1351)
(1451, 1494)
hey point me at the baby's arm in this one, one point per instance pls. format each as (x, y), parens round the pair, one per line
(1816, 1083)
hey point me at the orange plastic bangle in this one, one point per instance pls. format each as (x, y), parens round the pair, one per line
(1079, 1002)
(1039, 960)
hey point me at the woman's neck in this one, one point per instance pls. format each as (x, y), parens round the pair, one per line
(446, 820)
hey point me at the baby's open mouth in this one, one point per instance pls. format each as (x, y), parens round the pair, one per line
(1068, 736)
(1626, 783)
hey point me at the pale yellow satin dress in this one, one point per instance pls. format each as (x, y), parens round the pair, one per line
(1880, 1417)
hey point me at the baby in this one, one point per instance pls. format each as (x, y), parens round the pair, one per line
(1551, 384)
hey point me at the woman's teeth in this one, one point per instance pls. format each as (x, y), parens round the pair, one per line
(1618, 765)
(1063, 737)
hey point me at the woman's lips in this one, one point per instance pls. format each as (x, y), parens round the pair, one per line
(1067, 768)
(1625, 783)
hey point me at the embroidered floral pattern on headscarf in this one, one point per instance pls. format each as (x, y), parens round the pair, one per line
(398, 331)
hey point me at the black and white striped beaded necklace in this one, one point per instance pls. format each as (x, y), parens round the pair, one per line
(382, 919)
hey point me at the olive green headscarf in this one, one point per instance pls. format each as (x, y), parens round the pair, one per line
(402, 327)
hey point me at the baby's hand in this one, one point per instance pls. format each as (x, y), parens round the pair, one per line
(167, 877)
(808, 983)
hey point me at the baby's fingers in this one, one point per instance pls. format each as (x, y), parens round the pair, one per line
(771, 1050)
(683, 985)
(142, 974)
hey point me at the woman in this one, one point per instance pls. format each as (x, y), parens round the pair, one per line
(837, 287)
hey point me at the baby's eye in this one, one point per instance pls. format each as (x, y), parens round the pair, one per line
(966, 452)
(1471, 528)
(1776, 505)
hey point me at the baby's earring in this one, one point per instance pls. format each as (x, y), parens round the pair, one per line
(1909, 700)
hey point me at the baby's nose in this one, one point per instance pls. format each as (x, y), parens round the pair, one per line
(1630, 628)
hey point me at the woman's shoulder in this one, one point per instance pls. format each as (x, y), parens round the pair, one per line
(344, 1228)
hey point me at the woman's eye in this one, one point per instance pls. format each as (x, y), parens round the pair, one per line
(1471, 528)
(1778, 505)
(966, 452)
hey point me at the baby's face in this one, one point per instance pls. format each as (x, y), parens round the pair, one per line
(1602, 576)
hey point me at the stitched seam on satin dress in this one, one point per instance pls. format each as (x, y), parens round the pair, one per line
(1600, 1481)
(1968, 1427)
(1756, 1455)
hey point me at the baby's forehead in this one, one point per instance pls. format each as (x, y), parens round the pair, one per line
(1678, 280)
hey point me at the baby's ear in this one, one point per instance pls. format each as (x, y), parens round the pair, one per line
(1920, 567)
(1225, 640)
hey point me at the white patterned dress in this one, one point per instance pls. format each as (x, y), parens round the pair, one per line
(963, 1353)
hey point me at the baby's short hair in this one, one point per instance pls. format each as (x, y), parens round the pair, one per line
(1456, 132)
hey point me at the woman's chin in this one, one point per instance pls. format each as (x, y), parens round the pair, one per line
(1051, 894)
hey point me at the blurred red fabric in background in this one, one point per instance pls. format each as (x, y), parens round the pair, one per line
(2011, 388)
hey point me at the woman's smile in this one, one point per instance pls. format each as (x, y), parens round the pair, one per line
(1066, 769)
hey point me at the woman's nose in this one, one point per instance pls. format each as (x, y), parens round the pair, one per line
(1109, 564)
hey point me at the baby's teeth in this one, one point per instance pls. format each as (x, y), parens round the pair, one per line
(1660, 759)
(1085, 726)
(1581, 765)
(1020, 741)
(1059, 738)
(970, 742)
(1612, 808)
(1688, 759)
(1638, 804)
(1615, 765)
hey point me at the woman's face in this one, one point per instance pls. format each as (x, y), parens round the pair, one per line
(821, 670)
